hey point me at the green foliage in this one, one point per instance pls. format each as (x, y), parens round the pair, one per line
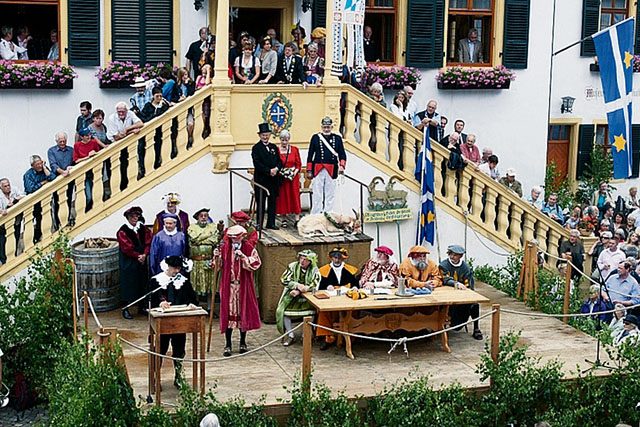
(321, 408)
(600, 169)
(554, 183)
(36, 319)
(90, 389)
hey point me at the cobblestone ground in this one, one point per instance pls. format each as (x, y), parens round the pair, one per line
(30, 417)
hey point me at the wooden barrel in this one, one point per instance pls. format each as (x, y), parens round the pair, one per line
(98, 273)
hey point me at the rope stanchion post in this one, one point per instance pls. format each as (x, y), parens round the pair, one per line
(567, 289)
(495, 334)
(74, 297)
(85, 303)
(307, 338)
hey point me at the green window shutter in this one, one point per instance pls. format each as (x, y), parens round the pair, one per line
(84, 32)
(586, 134)
(142, 31)
(637, 49)
(516, 33)
(590, 25)
(425, 33)
(635, 151)
(158, 31)
(318, 14)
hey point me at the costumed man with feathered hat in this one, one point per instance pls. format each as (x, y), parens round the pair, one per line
(203, 238)
(167, 242)
(300, 276)
(420, 271)
(134, 240)
(175, 289)
(380, 271)
(458, 274)
(171, 202)
(237, 261)
(336, 274)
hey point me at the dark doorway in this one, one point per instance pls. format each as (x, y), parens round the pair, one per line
(256, 22)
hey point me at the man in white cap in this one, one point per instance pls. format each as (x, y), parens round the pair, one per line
(326, 159)
(511, 183)
(143, 94)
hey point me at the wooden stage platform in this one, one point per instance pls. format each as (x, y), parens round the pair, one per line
(266, 372)
(278, 248)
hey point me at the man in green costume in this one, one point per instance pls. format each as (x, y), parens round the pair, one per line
(203, 238)
(299, 277)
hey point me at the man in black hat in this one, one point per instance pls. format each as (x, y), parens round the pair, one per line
(325, 160)
(134, 240)
(630, 330)
(457, 274)
(267, 164)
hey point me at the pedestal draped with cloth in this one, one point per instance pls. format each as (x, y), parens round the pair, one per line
(346, 29)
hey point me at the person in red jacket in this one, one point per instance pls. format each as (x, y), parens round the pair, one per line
(83, 150)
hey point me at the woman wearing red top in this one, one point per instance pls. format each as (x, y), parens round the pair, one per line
(288, 202)
(83, 150)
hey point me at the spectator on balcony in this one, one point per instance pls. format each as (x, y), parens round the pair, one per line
(236, 50)
(608, 215)
(290, 68)
(632, 202)
(412, 107)
(143, 94)
(486, 152)
(83, 150)
(490, 168)
(371, 52)
(299, 35)
(246, 66)
(122, 123)
(553, 209)
(429, 118)
(611, 257)
(203, 80)
(470, 150)
(276, 45)
(534, 197)
(268, 61)
(376, 93)
(313, 65)
(37, 176)
(84, 119)
(574, 218)
(399, 106)
(24, 39)
(156, 107)
(8, 196)
(60, 155)
(54, 50)
(456, 160)
(510, 181)
(597, 249)
(605, 225)
(170, 89)
(319, 37)
(195, 52)
(602, 198)
(632, 247)
(187, 87)
(443, 127)
(458, 126)
(470, 49)
(98, 128)
(8, 49)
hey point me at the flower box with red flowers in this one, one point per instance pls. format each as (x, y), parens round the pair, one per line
(456, 78)
(35, 75)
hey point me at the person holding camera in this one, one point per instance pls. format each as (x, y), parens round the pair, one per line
(196, 50)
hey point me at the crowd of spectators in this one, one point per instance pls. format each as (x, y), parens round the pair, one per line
(20, 44)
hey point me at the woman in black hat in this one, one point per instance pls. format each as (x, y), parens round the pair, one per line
(134, 240)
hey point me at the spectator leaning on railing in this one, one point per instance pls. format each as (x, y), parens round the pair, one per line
(553, 209)
(122, 123)
(535, 197)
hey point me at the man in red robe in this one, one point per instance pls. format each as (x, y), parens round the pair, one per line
(237, 259)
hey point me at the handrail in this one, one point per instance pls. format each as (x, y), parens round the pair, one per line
(361, 186)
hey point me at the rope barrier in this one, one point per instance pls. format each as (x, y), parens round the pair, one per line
(221, 359)
(536, 314)
(466, 226)
(93, 312)
(404, 340)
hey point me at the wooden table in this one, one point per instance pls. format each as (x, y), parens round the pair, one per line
(429, 312)
(183, 322)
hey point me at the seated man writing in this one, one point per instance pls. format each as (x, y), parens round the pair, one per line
(336, 274)
(380, 271)
(420, 271)
(300, 276)
(457, 274)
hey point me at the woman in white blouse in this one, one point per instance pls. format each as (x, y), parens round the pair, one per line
(269, 60)
(399, 105)
(247, 66)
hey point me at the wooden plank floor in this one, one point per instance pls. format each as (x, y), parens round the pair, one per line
(264, 373)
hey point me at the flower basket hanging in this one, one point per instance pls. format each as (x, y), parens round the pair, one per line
(394, 77)
(475, 78)
(36, 75)
(120, 75)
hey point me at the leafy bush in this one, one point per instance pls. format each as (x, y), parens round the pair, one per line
(599, 169)
(321, 408)
(554, 183)
(36, 319)
(90, 389)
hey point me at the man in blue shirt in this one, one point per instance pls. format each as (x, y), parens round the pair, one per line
(61, 159)
(38, 175)
(622, 287)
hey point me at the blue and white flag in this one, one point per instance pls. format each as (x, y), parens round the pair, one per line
(614, 47)
(424, 174)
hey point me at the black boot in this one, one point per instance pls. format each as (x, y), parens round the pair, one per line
(243, 342)
(126, 314)
(227, 345)
(177, 379)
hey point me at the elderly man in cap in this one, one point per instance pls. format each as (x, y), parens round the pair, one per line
(458, 274)
(300, 276)
(336, 274)
(380, 271)
(511, 183)
(267, 164)
(134, 240)
(167, 242)
(203, 237)
(420, 271)
(630, 331)
(171, 202)
(143, 94)
(237, 260)
(326, 159)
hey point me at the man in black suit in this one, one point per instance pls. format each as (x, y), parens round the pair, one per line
(289, 69)
(458, 127)
(267, 164)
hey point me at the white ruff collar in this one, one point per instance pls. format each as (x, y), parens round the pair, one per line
(455, 265)
(136, 227)
(164, 280)
(171, 233)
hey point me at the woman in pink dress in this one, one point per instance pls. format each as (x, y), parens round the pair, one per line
(288, 202)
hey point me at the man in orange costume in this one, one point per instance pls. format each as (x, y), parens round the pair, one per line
(420, 271)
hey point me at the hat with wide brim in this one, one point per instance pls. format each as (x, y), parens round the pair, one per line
(418, 250)
(139, 82)
(339, 251)
(319, 33)
(236, 230)
(133, 210)
(195, 215)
